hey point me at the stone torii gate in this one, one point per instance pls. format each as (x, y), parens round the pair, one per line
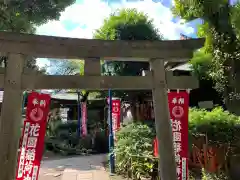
(15, 79)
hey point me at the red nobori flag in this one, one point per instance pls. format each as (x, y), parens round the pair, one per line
(116, 114)
(33, 134)
(84, 118)
(178, 108)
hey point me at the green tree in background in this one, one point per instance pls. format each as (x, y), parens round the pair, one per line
(24, 15)
(126, 24)
(221, 29)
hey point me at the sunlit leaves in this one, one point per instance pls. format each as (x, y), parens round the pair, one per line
(201, 63)
(127, 24)
(134, 150)
(221, 28)
(23, 15)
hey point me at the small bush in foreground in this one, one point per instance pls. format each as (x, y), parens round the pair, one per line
(134, 150)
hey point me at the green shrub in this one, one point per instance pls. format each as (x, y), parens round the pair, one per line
(64, 139)
(220, 126)
(52, 125)
(134, 150)
(209, 176)
(136, 139)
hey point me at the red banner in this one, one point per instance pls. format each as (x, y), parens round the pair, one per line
(178, 108)
(33, 134)
(116, 114)
(84, 118)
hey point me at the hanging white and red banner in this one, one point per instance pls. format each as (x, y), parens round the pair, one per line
(84, 118)
(116, 111)
(178, 103)
(116, 114)
(33, 134)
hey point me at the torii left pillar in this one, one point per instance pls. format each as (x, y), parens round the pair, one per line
(11, 119)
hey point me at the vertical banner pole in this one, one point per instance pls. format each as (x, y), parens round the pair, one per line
(111, 139)
(79, 115)
(24, 100)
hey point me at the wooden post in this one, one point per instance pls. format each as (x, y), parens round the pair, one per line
(11, 120)
(167, 165)
(92, 66)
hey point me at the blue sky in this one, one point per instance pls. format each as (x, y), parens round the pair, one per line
(81, 19)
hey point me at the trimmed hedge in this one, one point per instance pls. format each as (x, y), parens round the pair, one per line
(220, 126)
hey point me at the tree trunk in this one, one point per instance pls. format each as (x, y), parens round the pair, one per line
(233, 97)
(225, 41)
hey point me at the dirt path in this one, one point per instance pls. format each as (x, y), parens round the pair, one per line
(74, 168)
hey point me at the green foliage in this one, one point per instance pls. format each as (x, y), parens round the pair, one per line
(134, 150)
(193, 9)
(127, 24)
(209, 176)
(204, 31)
(53, 123)
(235, 18)
(201, 63)
(22, 16)
(221, 28)
(220, 126)
(64, 139)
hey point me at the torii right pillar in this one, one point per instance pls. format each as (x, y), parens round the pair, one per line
(167, 165)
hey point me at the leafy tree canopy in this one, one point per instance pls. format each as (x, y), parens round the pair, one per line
(127, 24)
(24, 15)
(221, 28)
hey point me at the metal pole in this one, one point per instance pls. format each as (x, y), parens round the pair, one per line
(111, 139)
(79, 115)
(24, 100)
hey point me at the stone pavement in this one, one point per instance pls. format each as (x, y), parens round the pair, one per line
(75, 168)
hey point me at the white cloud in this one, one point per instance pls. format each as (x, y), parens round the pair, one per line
(91, 14)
